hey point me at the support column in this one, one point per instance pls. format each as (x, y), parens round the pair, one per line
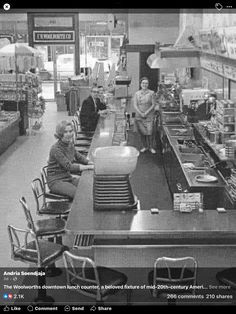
(54, 58)
(77, 45)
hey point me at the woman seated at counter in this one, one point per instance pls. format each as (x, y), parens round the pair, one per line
(64, 161)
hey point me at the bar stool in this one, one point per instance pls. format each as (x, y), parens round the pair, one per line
(47, 193)
(82, 143)
(44, 207)
(52, 228)
(79, 134)
(82, 150)
(28, 248)
(82, 140)
(45, 227)
(172, 271)
(82, 271)
(227, 277)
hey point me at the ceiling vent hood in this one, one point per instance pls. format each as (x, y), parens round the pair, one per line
(183, 54)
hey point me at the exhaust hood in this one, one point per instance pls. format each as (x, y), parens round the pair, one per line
(183, 54)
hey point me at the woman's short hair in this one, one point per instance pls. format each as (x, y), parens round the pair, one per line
(60, 128)
(144, 78)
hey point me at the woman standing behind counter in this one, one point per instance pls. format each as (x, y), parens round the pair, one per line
(144, 104)
(64, 161)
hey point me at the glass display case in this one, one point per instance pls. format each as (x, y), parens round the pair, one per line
(9, 128)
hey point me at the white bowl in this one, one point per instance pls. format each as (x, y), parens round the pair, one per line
(115, 160)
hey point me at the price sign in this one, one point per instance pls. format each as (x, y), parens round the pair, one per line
(97, 44)
(186, 202)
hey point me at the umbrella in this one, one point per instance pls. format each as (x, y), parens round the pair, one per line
(14, 55)
(4, 42)
(19, 49)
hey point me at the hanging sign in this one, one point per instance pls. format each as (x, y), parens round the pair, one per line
(54, 36)
(230, 72)
(219, 42)
(53, 21)
(230, 39)
(212, 65)
(206, 41)
(97, 44)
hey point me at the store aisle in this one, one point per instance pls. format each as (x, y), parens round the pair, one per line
(22, 162)
(19, 165)
(148, 180)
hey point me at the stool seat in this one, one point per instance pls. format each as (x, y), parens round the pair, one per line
(83, 136)
(169, 274)
(175, 275)
(227, 277)
(27, 247)
(83, 143)
(58, 197)
(82, 150)
(46, 190)
(48, 227)
(44, 227)
(107, 277)
(55, 208)
(49, 252)
(82, 271)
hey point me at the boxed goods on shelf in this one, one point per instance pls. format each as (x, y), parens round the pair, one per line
(225, 118)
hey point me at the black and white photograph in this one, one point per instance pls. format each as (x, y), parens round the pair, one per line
(117, 157)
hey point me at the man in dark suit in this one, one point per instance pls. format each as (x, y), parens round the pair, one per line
(89, 113)
(91, 109)
(207, 107)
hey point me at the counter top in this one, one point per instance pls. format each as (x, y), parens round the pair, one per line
(103, 134)
(168, 224)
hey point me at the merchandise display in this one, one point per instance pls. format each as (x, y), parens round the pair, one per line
(225, 114)
(9, 128)
(23, 91)
(168, 96)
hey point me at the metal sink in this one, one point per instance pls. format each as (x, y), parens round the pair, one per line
(189, 150)
(178, 130)
(194, 158)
